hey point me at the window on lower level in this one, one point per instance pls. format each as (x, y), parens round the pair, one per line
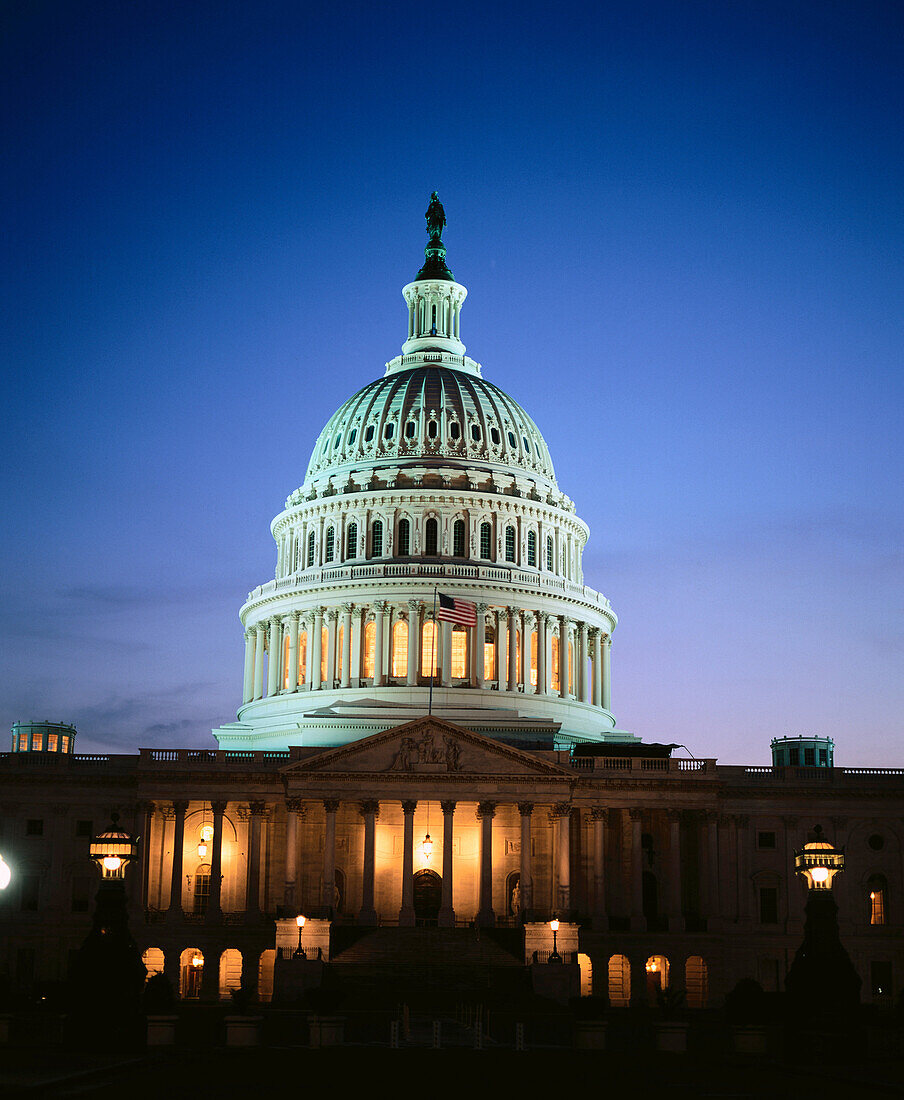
(376, 539)
(81, 894)
(765, 840)
(880, 979)
(34, 826)
(84, 828)
(768, 905)
(29, 891)
(431, 537)
(510, 544)
(486, 540)
(458, 539)
(404, 543)
(878, 889)
(531, 548)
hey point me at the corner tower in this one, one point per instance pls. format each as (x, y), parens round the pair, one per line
(430, 477)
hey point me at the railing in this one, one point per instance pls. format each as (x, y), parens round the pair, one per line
(642, 764)
(312, 954)
(543, 956)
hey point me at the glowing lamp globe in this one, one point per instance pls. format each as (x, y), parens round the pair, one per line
(5, 873)
(113, 850)
(818, 861)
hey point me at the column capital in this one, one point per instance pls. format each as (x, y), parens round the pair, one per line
(295, 805)
(218, 806)
(369, 806)
(414, 606)
(249, 633)
(409, 806)
(525, 808)
(486, 809)
(599, 813)
(483, 608)
(180, 806)
(331, 805)
(292, 617)
(332, 614)
(742, 820)
(379, 606)
(560, 809)
(261, 627)
(274, 621)
(348, 608)
(448, 806)
(511, 612)
(635, 814)
(258, 808)
(673, 815)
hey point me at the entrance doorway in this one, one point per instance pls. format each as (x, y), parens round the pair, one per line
(428, 897)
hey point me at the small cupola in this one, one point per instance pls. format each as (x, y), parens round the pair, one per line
(434, 298)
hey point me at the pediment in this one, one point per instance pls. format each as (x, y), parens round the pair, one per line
(429, 746)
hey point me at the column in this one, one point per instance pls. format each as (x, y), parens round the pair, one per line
(309, 652)
(445, 653)
(607, 673)
(479, 638)
(597, 663)
(414, 641)
(290, 674)
(357, 644)
(332, 616)
(328, 879)
(564, 639)
(526, 632)
(446, 916)
(635, 823)
(253, 888)
(370, 810)
(294, 811)
(542, 624)
(346, 678)
(599, 815)
(248, 683)
(582, 684)
(315, 648)
(144, 891)
(486, 811)
(273, 648)
(710, 861)
(676, 919)
(745, 886)
(215, 903)
(526, 881)
(406, 913)
(259, 646)
(502, 648)
(174, 912)
(379, 614)
(561, 813)
(512, 679)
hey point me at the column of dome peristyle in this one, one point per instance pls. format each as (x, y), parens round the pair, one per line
(434, 308)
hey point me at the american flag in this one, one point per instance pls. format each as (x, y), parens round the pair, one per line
(460, 612)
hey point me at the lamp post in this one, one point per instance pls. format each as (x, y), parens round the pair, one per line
(299, 952)
(822, 979)
(554, 925)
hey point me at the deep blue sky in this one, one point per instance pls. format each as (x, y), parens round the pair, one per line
(681, 228)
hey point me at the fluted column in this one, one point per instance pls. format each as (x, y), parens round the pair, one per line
(273, 648)
(607, 673)
(215, 905)
(406, 913)
(379, 614)
(582, 685)
(309, 652)
(174, 911)
(248, 682)
(638, 921)
(745, 845)
(600, 816)
(252, 891)
(597, 667)
(357, 645)
(527, 630)
(328, 877)
(675, 917)
(259, 647)
(294, 811)
(370, 810)
(564, 641)
(512, 677)
(291, 677)
(414, 641)
(446, 915)
(561, 812)
(315, 646)
(332, 616)
(542, 642)
(486, 811)
(526, 881)
(345, 679)
(445, 653)
(477, 650)
(711, 874)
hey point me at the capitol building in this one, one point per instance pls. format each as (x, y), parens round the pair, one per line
(425, 744)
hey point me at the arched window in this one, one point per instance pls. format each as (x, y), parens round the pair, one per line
(428, 648)
(411, 429)
(431, 537)
(878, 889)
(310, 549)
(696, 982)
(510, 544)
(376, 539)
(330, 544)
(619, 981)
(404, 544)
(351, 541)
(191, 967)
(230, 971)
(297, 564)
(324, 651)
(455, 430)
(532, 548)
(302, 656)
(153, 960)
(657, 967)
(389, 431)
(489, 653)
(432, 429)
(458, 539)
(370, 638)
(585, 968)
(549, 553)
(459, 663)
(400, 649)
(486, 540)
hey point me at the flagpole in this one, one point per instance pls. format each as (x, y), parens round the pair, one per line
(435, 653)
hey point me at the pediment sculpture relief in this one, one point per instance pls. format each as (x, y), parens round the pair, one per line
(426, 754)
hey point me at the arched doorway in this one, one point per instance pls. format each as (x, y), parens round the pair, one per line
(428, 897)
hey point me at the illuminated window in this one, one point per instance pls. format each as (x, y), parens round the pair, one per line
(400, 649)
(351, 541)
(52, 741)
(310, 549)
(404, 547)
(330, 544)
(518, 656)
(431, 537)
(428, 648)
(554, 663)
(489, 654)
(339, 639)
(324, 651)
(531, 548)
(486, 540)
(376, 539)
(370, 638)
(37, 742)
(201, 889)
(459, 668)
(696, 982)
(23, 742)
(285, 664)
(458, 539)
(549, 553)
(302, 655)
(67, 742)
(657, 967)
(533, 658)
(510, 544)
(877, 889)
(619, 981)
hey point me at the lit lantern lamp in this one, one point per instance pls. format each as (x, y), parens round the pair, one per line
(5, 873)
(554, 926)
(818, 862)
(427, 848)
(299, 950)
(113, 850)
(204, 844)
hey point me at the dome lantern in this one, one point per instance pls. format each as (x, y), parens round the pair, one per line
(434, 298)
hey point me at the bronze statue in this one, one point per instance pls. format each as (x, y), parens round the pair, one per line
(436, 217)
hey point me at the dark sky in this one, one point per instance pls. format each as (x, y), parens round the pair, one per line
(681, 228)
